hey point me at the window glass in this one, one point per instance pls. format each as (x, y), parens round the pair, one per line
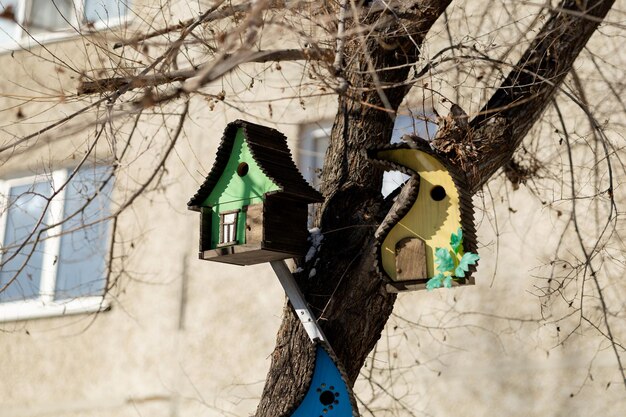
(311, 153)
(314, 142)
(50, 15)
(229, 227)
(405, 125)
(26, 205)
(42, 17)
(105, 10)
(84, 242)
(8, 27)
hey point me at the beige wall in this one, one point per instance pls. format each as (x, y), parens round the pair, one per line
(185, 337)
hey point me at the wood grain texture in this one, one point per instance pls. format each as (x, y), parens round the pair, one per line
(254, 223)
(205, 229)
(285, 224)
(411, 259)
(245, 255)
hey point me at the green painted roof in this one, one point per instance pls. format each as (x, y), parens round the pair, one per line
(268, 147)
(245, 189)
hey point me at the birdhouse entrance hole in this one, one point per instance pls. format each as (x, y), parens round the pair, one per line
(242, 169)
(438, 193)
(327, 397)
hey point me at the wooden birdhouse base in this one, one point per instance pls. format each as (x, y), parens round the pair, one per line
(420, 284)
(246, 254)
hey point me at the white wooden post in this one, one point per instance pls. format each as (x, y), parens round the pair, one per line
(297, 301)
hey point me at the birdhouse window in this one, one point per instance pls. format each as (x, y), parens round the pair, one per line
(228, 228)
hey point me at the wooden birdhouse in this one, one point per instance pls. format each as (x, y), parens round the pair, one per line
(429, 231)
(254, 203)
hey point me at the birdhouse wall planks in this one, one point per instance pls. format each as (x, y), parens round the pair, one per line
(254, 202)
(433, 206)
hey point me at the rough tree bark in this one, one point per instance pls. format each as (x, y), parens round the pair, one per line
(345, 293)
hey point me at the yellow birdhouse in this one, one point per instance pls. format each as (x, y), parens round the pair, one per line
(428, 236)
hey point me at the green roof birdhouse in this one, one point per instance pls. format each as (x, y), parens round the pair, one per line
(254, 202)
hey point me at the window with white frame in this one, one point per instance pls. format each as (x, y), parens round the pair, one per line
(21, 20)
(228, 227)
(53, 243)
(315, 139)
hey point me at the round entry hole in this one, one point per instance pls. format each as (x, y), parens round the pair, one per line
(242, 169)
(327, 398)
(438, 193)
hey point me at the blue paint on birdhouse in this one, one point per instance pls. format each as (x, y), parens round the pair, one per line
(328, 394)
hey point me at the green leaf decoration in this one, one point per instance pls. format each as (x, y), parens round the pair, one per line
(446, 263)
(435, 282)
(464, 264)
(456, 240)
(444, 260)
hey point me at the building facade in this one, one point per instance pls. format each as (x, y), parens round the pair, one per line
(106, 309)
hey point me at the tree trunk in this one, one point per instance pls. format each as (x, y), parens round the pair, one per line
(344, 292)
(346, 295)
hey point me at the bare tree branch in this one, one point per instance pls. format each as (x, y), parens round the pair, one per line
(230, 62)
(523, 96)
(213, 14)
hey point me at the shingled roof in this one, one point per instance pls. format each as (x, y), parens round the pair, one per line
(270, 151)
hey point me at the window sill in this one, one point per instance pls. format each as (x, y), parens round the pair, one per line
(37, 39)
(227, 244)
(37, 309)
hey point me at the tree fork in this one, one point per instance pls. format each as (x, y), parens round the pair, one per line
(347, 296)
